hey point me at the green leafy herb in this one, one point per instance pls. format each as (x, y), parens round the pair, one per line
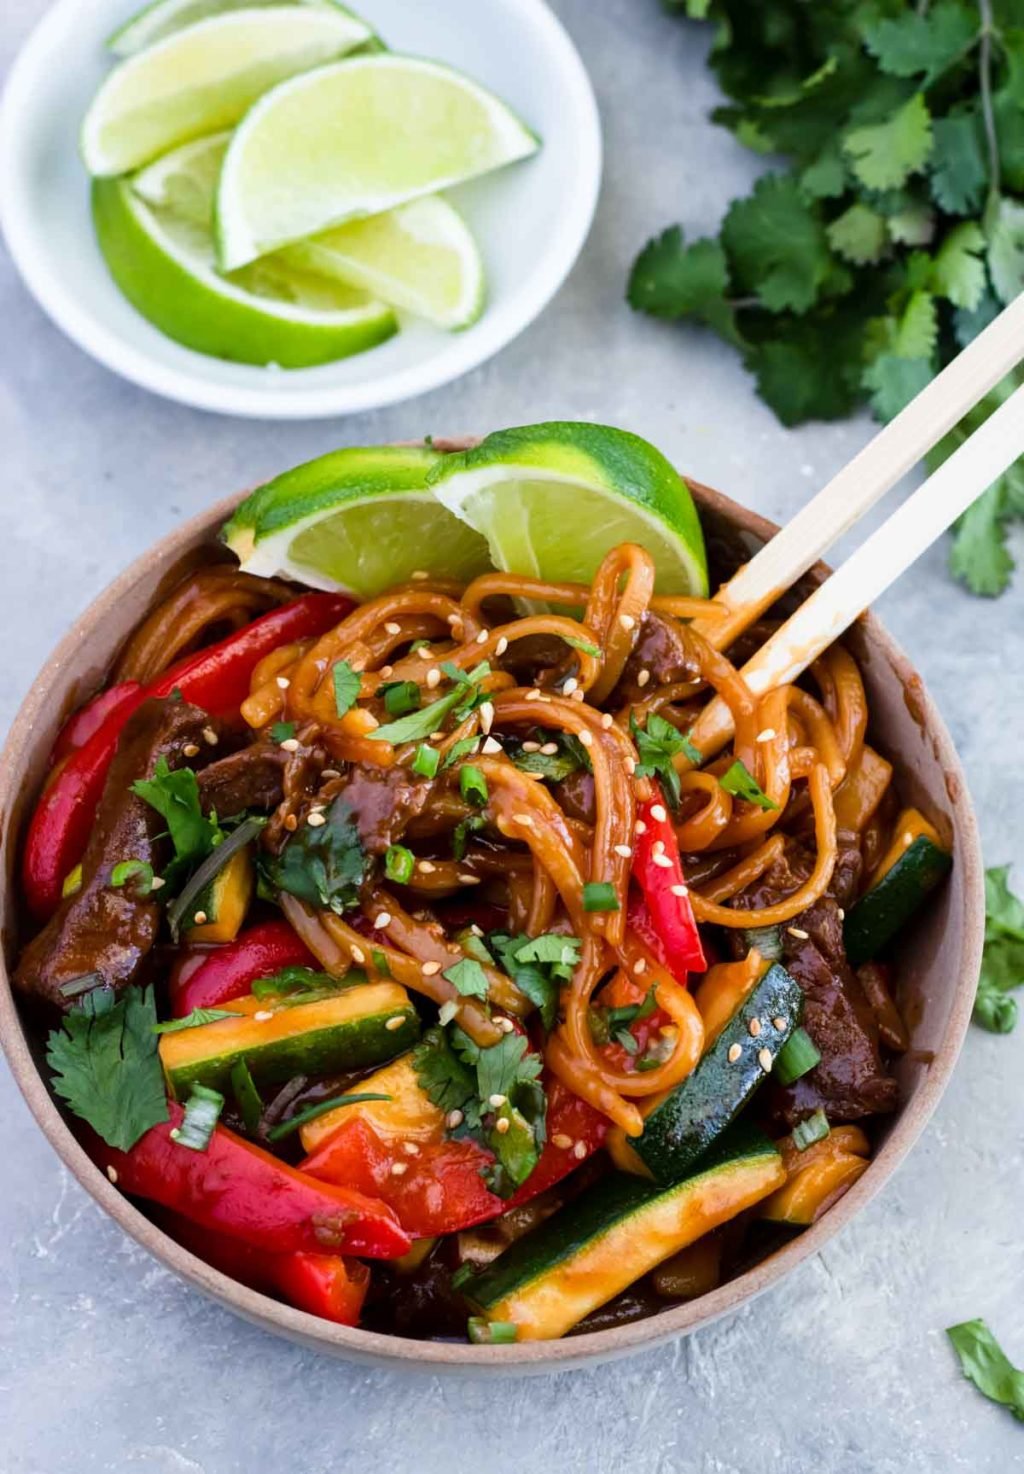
(427, 760)
(739, 781)
(282, 731)
(599, 895)
(194, 1020)
(538, 966)
(815, 1128)
(1002, 962)
(84, 983)
(298, 984)
(346, 686)
(891, 232)
(324, 866)
(467, 978)
(463, 829)
(202, 1112)
(140, 871)
(285, 1128)
(472, 784)
(448, 1079)
(106, 1066)
(657, 744)
(460, 700)
(182, 908)
(399, 863)
(983, 1362)
(473, 944)
(569, 757)
(175, 796)
(607, 1024)
(400, 697)
(460, 749)
(247, 1097)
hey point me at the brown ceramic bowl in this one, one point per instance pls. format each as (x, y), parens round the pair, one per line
(937, 977)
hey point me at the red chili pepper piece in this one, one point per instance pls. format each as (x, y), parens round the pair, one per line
(78, 728)
(569, 1120)
(658, 871)
(240, 1190)
(208, 977)
(326, 1285)
(215, 679)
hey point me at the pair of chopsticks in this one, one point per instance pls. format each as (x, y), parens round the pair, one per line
(891, 549)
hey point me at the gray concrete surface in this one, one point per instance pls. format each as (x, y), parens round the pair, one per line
(107, 1363)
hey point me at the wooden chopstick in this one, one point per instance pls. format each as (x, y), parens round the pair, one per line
(878, 562)
(896, 448)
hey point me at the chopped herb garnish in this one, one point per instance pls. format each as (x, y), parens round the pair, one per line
(84, 983)
(796, 1057)
(467, 978)
(984, 1362)
(538, 966)
(599, 895)
(297, 983)
(587, 646)
(282, 731)
(324, 866)
(739, 781)
(569, 757)
(419, 724)
(106, 1066)
(399, 863)
(141, 871)
(815, 1128)
(346, 686)
(491, 1332)
(1002, 962)
(181, 908)
(472, 784)
(194, 1020)
(608, 1024)
(427, 760)
(247, 1097)
(285, 1128)
(400, 697)
(657, 744)
(202, 1112)
(462, 748)
(175, 796)
(463, 829)
(380, 961)
(474, 945)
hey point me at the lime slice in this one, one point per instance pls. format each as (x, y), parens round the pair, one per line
(354, 139)
(359, 520)
(163, 17)
(205, 77)
(268, 314)
(552, 499)
(420, 256)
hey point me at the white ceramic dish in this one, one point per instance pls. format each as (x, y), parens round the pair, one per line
(531, 220)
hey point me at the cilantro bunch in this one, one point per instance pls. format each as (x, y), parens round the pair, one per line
(896, 233)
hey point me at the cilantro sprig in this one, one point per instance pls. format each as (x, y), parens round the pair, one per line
(893, 237)
(657, 743)
(1002, 962)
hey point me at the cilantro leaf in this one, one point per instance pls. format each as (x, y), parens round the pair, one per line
(859, 234)
(175, 796)
(106, 1066)
(922, 42)
(777, 245)
(809, 367)
(538, 966)
(885, 154)
(1006, 250)
(346, 686)
(983, 1362)
(447, 1078)
(656, 745)
(739, 780)
(419, 724)
(670, 279)
(323, 866)
(570, 756)
(282, 731)
(958, 273)
(194, 1020)
(894, 381)
(1002, 963)
(500, 1067)
(959, 167)
(467, 978)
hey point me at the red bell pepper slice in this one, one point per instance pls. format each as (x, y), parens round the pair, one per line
(570, 1122)
(215, 679)
(241, 1190)
(327, 1285)
(206, 978)
(79, 727)
(658, 871)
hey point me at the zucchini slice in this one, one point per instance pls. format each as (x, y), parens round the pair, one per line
(617, 1231)
(224, 901)
(685, 1124)
(407, 1115)
(912, 867)
(344, 1031)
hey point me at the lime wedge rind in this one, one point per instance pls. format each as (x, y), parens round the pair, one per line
(164, 18)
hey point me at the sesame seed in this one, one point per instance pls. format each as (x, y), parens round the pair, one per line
(586, 737)
(576, 696)
(627, 621)
(524, 820)
(453, 618)
(662, 861)
(631, 769)
(358, 955)
(399, 1169)
(436, 736)
(501, 646)
(549, 749)
(659, 812)
(579, 1151)
(735, 1051)
(497, 1101)
(490, 747)
(291, 822)
(157, 883)
(210, 737)
(393, 627)
(486, 715)
(199, 918)
(764, 1059)
(433, 677)
(842, 914)
(795, 931)
(779, 1023)
(430, 969)
(317, 808)
(383, 920)
(623, 850)
(640, 967)
(766, 735)
(425, 652)
(505, 1025)
(453, 1119)
(680, 890)
(315, 820)
(112, 1173)
(174, 1133)
(754, 1028)
(562, 1141)
(385, 671)
(395, 1022)
(328, 773)
(427, 866)
(419, 574)
(536, 747)
(190, 749)
(483, 637)
(475, 930)
(658, 847)
(290, 744)
(668, 1031)
(571, 685)
(410, 1148)
(263, 1015)
(502, 1125)
(640, 827)
(643, 677)
(533, 694)
(606, 721)
(468, 879)
(283, 682)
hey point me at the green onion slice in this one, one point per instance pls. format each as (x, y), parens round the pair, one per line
(599, 895)
(399, 863)
(815, 1128)
(202, 1113)
(247, 1097)
(182, 905)
(796, 1057)
(491, 1332)
(285, 1128)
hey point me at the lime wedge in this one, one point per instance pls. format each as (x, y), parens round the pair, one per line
(205, 77)
(268, 314)
(552, 499)
(420, 256)
(359, 520)
(354, 139)
(163, 17)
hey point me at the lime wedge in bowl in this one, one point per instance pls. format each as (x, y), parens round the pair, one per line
(353, 139)
(552, 499)
(205, 77)
(359, 520)
(155, 22)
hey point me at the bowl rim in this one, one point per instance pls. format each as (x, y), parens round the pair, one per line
(531, 1356)
(457, 354)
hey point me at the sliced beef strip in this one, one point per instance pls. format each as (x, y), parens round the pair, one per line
(661, 649)
(383, 801)
(103, 928)
(252, 778)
